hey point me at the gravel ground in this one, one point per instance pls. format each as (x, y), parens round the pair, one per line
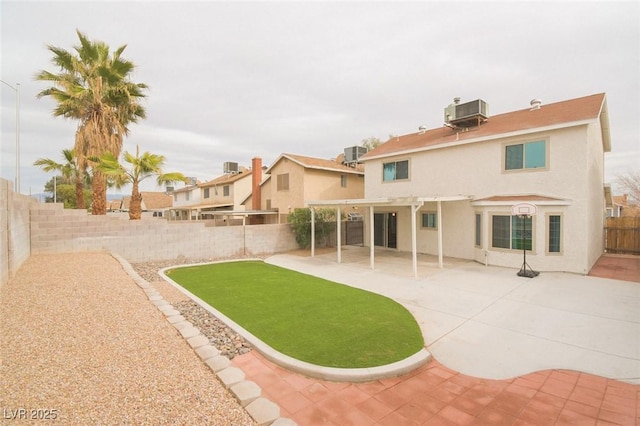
(79, 338)
(228, 342)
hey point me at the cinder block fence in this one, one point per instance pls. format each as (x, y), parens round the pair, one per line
(28, 226)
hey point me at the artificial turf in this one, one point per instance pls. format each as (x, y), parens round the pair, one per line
(306, 317)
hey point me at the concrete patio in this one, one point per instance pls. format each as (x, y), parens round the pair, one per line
(488, 322)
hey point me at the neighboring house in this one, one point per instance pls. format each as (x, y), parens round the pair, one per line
(450, 190)
(183, 199)
(292, 179)
(225, 193)
(205, 200)
(155, 202)
(620, 206)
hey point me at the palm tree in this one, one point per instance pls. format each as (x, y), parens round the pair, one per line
(142, 167)
(93, 87)
(70, 171)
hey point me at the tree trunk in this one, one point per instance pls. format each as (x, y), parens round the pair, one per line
(135, 206)
(99, 204)
(80, 194)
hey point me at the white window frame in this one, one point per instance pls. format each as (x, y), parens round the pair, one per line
(511, 249)
(395, 178)
(547, 234)
(435, 220)
(523, 168)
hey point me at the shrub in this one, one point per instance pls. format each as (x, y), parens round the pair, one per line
(325, 224)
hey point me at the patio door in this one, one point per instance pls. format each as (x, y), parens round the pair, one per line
(385, 230)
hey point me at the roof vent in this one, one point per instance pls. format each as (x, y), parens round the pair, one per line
(468, 114)
(535, 104)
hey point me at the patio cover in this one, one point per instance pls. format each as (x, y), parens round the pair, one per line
(415, 203)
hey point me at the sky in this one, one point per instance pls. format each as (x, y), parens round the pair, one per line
(230, 81)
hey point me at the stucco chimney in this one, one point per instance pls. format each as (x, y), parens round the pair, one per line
(256, 178)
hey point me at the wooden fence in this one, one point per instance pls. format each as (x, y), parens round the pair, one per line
(622, 235)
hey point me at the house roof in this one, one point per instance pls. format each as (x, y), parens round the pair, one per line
(186, 189)
(318, 164)
(156, 200)
(150, 200)
(556, 115)
(225, 179)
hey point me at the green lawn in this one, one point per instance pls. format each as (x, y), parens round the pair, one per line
(305, 317)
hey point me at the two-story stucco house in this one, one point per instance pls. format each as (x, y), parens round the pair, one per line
(450, 190)
(292, 179)
(222, 194)
(183, 199)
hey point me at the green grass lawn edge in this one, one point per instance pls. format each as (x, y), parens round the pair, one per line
(305, 317)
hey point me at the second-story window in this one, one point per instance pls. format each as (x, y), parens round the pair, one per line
(530, 155)
(206, 193)
(343, 181)
(225, 191)
(283, 182)
(186, 196)
(395, 170)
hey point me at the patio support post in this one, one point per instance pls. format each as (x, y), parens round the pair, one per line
(313, 231)
(339, 234)
(414, 238)
(440, 263)
(371, 239)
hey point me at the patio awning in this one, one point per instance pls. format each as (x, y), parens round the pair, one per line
(415, 203)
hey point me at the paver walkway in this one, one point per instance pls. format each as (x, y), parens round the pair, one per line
(617, 267)
(436, 395)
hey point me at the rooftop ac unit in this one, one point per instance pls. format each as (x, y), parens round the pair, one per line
(230, 167)
(458, 113)
(353, 153)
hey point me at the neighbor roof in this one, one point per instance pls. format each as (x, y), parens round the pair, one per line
(318, 163)
(151, 200)
(225, 179)
(560, 114)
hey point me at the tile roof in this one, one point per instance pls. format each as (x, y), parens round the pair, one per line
(225, 179)
(156, 200)
(150, 200)
(319, 163)
(550, 115)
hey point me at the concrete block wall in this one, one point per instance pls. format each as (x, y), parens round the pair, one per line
(54, 230)
(15, 246)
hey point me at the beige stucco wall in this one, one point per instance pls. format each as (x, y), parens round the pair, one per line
(287, 200)
(306, 184)
(574, 172)
(326, 185)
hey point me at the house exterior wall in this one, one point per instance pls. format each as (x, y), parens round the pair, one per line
(180, 198)
(238, 191)
(574, 172)
(327, 185)
(287, 201)
(596, 204)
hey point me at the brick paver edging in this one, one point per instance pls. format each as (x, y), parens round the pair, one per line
(248, 393)
(370, 374)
